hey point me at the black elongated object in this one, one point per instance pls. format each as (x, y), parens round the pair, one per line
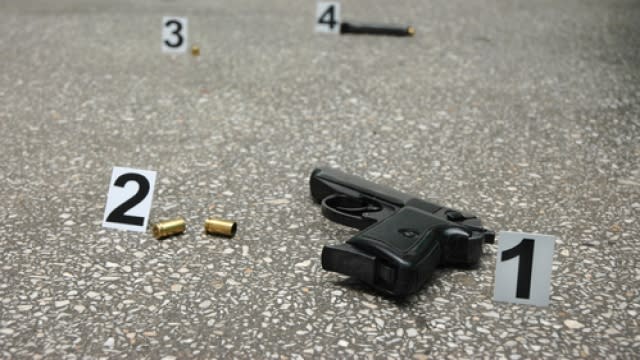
(402, 238)
(369, 29)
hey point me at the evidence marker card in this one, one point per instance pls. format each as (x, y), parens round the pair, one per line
(129, 199)
(175, 32)
(327, 17)
(523, 268)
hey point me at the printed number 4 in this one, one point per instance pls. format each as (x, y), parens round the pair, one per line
(524, 251)
(118, 215)
(328, 17)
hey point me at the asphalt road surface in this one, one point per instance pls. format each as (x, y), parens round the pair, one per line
(525, 113)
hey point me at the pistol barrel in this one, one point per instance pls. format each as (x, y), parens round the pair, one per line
(368, 29)
(327, 181)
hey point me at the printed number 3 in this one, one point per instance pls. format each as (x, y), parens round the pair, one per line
(328, 17)
(176, 32)
(524, 250)
(118, 214)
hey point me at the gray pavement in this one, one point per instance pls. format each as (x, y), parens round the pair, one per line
(523, 112)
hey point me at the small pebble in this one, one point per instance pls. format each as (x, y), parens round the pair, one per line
(573, 324)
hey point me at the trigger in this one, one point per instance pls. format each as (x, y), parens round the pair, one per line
(351, 204)
(347, 210)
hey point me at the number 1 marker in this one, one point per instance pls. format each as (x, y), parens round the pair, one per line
(523, 268)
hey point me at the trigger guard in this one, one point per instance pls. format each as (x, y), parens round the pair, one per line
(351, 205)
(349, 216)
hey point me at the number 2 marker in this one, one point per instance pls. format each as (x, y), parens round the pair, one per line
(129, 199)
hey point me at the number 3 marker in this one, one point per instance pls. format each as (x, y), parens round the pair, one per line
(129, 199)
(174, 34)
(523, 268)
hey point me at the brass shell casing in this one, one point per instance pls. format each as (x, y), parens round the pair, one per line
(195, 50)
(220, 227)
(163, 229)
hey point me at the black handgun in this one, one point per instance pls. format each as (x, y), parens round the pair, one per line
(403, 238)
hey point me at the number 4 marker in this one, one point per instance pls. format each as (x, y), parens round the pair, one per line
(328, 17)
(129, 199)
(523, 268)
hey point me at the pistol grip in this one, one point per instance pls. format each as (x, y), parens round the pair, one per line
(396, 255)
(348, 260)
(374, 270)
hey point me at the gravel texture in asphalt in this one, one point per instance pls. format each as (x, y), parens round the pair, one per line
(525, 113)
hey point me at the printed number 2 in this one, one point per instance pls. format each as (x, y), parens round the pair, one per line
(328, 17)
(128, 208)
(118, 215)
(524, 251)
(176, 32)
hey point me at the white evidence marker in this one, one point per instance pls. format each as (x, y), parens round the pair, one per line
(129, 199)
(523, 268)
(327, 17)
(175, 34)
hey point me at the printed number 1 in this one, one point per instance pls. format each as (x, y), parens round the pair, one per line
(330, 13)
(524, 251)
